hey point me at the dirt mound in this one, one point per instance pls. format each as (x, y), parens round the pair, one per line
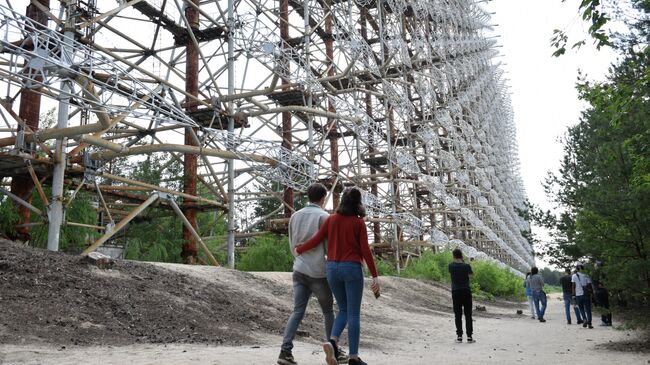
(60, 299)
(54, 298)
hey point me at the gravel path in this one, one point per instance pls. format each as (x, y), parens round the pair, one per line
(58, 310)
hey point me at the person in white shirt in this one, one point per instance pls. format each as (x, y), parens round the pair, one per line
(582, 289)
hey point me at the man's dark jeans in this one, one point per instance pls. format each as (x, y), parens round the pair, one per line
(584, 303)
(567, 307)
(462, 300)
(303, 287)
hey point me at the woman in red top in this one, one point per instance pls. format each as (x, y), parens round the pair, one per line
(347, 249)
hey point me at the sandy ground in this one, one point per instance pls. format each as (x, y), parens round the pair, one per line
(410, 324)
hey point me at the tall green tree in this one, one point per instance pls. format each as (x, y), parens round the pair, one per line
(602, 188)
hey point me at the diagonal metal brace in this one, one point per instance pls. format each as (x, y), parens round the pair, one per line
(135, 212)
(170, 199)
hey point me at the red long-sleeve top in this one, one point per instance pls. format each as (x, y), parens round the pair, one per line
(347, 240)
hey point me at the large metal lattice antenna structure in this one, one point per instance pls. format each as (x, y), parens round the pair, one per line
(402, 99)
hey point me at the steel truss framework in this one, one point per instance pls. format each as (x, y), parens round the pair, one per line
(400, 98)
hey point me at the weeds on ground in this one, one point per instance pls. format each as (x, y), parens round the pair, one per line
(267, 253)
(552, 289)
(489, 280)
(431, 266)
(385, 268)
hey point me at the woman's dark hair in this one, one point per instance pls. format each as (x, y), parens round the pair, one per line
(528, 274)
(534, 270)
(457, 253)
(351, 203)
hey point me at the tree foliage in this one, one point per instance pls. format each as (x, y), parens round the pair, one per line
(602, 188)
(598, 14)
(72, 238)
(8, 217)
(551, 277)
(156, 234)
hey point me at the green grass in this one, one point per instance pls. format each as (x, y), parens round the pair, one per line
(489, 280)
(270, 253)
(267, 253)
(552, 289)
(431, 266)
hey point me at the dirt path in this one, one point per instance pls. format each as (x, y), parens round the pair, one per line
(410, 324)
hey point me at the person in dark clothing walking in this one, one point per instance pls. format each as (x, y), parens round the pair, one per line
(567, 294)
(461, 295)
(602, 300)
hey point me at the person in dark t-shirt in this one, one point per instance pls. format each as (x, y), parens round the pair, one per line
(602, 300)
(461, 295)
(567, 293)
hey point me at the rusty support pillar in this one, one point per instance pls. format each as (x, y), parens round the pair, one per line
(287, 196)
(190, 160)
(332, 124)
(29, 110)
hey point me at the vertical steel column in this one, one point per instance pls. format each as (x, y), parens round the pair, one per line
(287, 197)
(231, 131)
(407, 75)
(332, 124)
(389, 135)
(310, 99)
(376, 228)
(55, 211)
(190, 160)
(29, 110)
(395, 201)
(432, 215)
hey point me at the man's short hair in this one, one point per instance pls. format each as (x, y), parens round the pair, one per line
(534, 270)
(458, 254)
(316, 192)
(567, 270)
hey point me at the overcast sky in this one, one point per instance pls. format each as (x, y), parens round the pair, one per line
(542, 87)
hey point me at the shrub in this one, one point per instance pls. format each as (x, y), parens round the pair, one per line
(385, 268)
(489, 280)
(497, 281)
(8, 217)
(431, 266)
(267, 253)
(72, 238)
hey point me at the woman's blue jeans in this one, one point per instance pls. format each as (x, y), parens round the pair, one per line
(346, 281)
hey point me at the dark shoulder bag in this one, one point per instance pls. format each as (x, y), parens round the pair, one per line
(588, 289)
